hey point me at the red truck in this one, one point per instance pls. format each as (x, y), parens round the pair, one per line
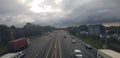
(18, 44)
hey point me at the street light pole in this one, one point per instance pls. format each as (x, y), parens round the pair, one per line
(105, 45)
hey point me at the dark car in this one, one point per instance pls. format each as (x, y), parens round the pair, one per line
(72, 37)
(50, 35)
(88, 46)
(65, 36)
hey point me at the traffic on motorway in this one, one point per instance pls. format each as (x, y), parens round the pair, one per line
(59, 28)
(57, 44)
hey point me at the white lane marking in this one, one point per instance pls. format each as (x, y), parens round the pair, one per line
(38, 52)
(56, 47)
(48, 51)
(60, 48)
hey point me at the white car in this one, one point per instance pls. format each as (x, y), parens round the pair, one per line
(77, 53)
(73, 41)
(21, 54)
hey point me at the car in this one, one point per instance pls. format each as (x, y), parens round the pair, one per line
(50, 35)
(21, 54)
(88, 46)
(73, 41)
(77, 53)
(65, 36)
(72, 37)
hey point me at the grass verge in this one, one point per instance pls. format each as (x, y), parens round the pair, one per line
(95, 43)
(34, 37)
(3, 49)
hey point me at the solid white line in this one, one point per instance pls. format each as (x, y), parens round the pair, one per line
(56, 46)
(38, 52)
(60, 48)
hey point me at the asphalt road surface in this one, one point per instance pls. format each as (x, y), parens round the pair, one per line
(56, 46)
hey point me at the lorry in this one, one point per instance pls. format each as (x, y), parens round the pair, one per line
(107, 53)
(18, 44)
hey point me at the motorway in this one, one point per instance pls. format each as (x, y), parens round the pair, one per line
(56, 46)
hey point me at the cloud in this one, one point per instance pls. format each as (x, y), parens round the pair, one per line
(59, 13)
(8, 7)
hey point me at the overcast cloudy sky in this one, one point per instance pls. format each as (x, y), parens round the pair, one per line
(59, 12)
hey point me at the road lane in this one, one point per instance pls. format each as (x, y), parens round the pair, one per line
(64, 49)
(35, 46)
(44, 51)
(59, 46)
(55, 50)
(56, 46)
(81, 45)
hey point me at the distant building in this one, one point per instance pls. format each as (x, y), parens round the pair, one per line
(96, 30)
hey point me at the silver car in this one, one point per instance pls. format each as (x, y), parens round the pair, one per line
(77, 53)
(73, 41)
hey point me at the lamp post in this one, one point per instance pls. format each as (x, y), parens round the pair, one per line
(105, 45)
(12, 35)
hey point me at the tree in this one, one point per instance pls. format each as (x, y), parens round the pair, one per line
(4, 33)
(83, 27)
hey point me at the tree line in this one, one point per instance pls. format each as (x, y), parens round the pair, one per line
(12, 32)
(113, 32)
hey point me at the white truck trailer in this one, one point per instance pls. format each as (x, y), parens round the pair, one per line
(107, 53)
(10, 55)
(14, 55)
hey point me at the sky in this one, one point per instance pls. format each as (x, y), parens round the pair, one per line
(59, 13)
